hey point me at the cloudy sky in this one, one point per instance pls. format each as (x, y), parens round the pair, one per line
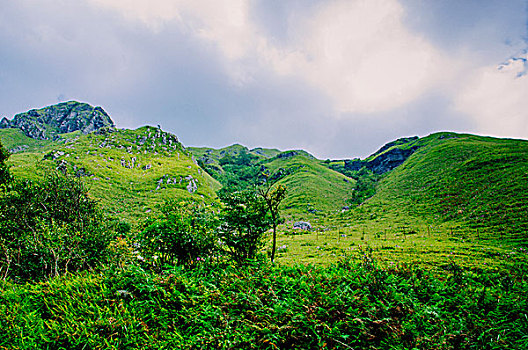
(336, 78)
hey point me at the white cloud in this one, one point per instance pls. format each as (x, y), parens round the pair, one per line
(358, 53)
(362, 56)
(495, 97)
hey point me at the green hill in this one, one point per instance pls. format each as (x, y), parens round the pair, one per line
(474, 181)
(129, 171)
(312, 187)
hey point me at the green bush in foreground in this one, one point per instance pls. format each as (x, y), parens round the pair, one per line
(185, 232)
(50, 227)
(349, 305)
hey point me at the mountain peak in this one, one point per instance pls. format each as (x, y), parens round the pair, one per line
(65, 117)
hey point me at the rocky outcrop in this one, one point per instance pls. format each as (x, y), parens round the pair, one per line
(386, 158)
(390, 159)
(46, 123)
(302, 225)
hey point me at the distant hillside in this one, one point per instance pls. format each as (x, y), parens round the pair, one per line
(312, 187)
(477, 181)
(209, 158)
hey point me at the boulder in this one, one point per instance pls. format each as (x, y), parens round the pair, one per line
(302, 225)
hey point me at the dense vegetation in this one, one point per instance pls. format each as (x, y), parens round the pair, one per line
(432, 254)
(348, 305)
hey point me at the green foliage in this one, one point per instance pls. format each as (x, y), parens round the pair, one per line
(50, 227)
(347, 305)
(244, 221)
(239, 172)
(5, 177)
(184, 233)
(365, 186)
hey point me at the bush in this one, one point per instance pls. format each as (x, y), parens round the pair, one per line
(5, 177)
(50, 227)
(184, 233)
(245, 219)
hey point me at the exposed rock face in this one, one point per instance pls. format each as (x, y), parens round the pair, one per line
(287, 154)
(386, 158)
(62, 118)
(390, 159)
(399, 141)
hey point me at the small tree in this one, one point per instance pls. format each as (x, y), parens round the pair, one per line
(183, 233)
(273, 196)
(50, 227)
(245, 220)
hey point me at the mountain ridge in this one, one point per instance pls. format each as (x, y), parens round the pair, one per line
(147, 165)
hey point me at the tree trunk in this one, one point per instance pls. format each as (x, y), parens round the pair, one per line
(274, 243)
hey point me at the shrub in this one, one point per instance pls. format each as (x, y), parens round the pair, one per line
(5, 177)
(245, 219)
(50, 227)
(182, 234)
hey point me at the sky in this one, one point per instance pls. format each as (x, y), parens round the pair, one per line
(337, 78)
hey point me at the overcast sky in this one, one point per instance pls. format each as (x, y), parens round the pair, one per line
(336, 78)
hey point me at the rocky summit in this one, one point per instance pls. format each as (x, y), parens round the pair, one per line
(46, 123)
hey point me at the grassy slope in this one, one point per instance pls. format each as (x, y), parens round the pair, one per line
(125, 191)
(12, 138)
(311, 186)
(458, 199)
(472, 180)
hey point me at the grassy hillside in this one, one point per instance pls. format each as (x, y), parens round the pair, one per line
(472, 180)
(129, 171)
(312, 187)
(16, 141)
(457, 200)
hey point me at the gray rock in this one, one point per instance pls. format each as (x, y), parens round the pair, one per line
(192, 186)
(302, 225)
(19, 149)
(386, 158)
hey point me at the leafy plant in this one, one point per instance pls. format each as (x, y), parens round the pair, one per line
(4, 170)
(184, 233)
(50, 227)
(244, 221)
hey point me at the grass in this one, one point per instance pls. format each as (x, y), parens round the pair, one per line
(312, 187)
(458, 199)
(479, 182)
